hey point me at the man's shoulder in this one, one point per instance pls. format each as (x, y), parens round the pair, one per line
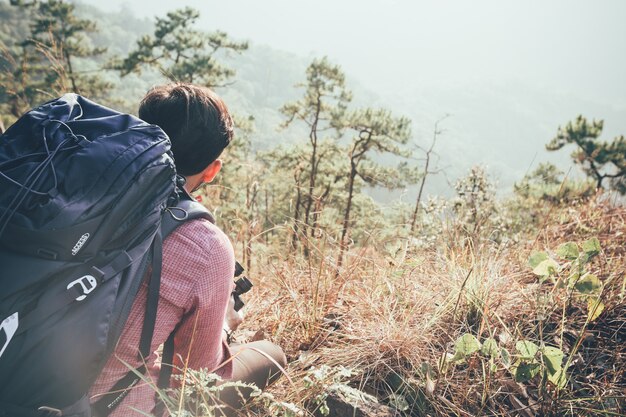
(198, 258)
(199, 233)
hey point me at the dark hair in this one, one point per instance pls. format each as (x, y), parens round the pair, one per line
(196, 120)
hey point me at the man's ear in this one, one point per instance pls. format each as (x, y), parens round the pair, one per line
(211, 171)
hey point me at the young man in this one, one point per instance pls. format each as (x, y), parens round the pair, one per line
(198, 267)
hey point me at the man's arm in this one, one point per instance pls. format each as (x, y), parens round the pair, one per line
(205, 257)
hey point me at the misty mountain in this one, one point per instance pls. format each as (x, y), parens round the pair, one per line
(501, 125)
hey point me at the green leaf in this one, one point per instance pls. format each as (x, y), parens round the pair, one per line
(506, 357)
(589, 284)
(546, 268)
(568, 251)
(559, 378)
(595, 307)
(573, 279)
(526, 349)
(398, 402)
(490, 347)
(323, 409)
(526, 371)
(591, 247)
(466, 345)
(536, 258)
(553, 358)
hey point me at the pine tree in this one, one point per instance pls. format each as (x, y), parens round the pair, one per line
(52, 53)
(325, 99)
(374, 131)
(599, 160)
(17, 92)
(44, 55)
(289, 162)
(182, 53)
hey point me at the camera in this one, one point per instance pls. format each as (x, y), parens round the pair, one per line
(242, 286)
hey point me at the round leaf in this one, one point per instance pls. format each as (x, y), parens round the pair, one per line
(546, 268)
(466, 345)
(595, 307)
(526, 349)
(490, 347)
(568, 251)
(458, 357)
(553, 358)
(591, 247)
(506, 357)
(573, 279)
(589, 284)
(536, 258)
(559, 378)
(526, 371)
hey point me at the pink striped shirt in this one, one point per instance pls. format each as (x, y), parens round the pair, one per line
(197, 279)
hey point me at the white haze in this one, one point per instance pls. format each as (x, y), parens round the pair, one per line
(510, 72)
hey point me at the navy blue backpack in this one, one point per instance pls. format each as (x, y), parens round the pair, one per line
(83, 191)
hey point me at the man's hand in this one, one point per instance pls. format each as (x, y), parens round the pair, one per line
(233, 318)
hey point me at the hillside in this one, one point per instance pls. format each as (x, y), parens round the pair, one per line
(443, 331)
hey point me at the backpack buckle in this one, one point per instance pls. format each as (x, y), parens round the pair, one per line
(9, 325)
(88, 283)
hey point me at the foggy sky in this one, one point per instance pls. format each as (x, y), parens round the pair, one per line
(571, 46)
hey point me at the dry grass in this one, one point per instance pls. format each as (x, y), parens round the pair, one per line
(393, 319)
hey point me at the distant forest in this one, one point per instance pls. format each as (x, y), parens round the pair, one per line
(254, 90)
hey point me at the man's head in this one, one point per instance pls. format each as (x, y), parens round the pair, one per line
(197, 122)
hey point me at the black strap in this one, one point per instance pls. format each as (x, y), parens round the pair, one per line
(109, 402)
(152, 302)
(167, 361)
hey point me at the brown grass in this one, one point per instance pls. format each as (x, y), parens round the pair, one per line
(387, 317)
